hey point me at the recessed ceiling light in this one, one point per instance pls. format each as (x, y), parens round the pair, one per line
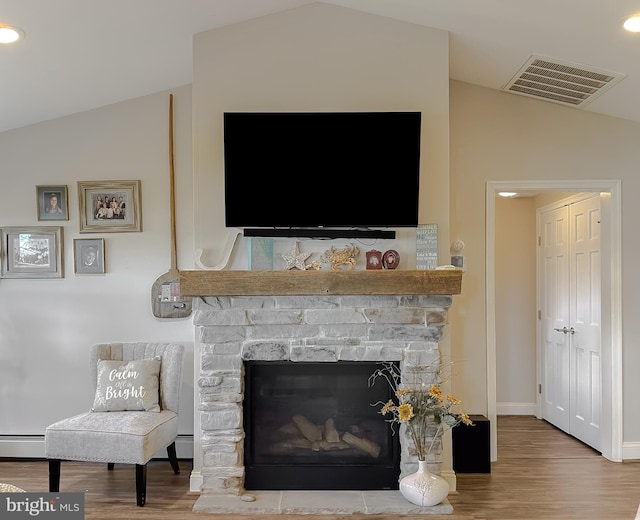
(633, 23)
(9, 34)
(507, 193)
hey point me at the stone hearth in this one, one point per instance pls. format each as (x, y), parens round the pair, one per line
(233, 329)
(317, 503)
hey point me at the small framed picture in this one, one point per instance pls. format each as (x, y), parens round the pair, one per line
(374, 259)
(32, 252)
(52, 203)
(390, 259)
(109, 206)
(88, 256)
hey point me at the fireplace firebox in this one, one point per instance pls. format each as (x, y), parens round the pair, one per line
(315, 426)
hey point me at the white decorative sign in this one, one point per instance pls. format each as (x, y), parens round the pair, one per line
(427, 246)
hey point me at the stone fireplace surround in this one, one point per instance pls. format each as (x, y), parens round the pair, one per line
(301, 328)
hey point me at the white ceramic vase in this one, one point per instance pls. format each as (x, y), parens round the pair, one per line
(424, 488)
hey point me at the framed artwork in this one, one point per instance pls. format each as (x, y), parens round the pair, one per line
(52, 203)
(109, 206)
(374, 259)
(88, 256)
(32, 252)
(390, 259)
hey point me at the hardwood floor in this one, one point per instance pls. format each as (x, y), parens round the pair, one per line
(541, 474)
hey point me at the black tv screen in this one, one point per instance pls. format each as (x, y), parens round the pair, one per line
(321, 169)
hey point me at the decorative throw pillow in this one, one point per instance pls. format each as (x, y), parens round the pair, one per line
(127, 385)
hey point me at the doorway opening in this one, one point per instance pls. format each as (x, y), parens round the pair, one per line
(611, 367)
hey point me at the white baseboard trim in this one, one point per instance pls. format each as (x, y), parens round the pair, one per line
(450, 476)
(631, 451)
(507, 408)
(32, 447)
(22, 446)
(195, 481)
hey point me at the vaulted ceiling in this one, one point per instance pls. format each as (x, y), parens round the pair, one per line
(83, 54)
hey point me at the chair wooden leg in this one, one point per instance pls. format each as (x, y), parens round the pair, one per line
(173, 459)
(110, 466)
(141, 484)
(54, 475)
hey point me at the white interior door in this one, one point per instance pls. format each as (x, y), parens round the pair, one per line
(554, 317)
(586, 400)
(569, 299)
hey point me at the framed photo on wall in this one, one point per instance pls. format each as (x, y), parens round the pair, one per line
(52, 202)
(109, 206)
(88, 256)
(32, 252)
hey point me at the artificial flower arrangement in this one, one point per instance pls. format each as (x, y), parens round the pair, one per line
(418, 406)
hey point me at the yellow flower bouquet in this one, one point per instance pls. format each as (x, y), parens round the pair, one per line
(419, 407)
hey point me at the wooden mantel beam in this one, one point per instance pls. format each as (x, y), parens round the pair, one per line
(311, 282)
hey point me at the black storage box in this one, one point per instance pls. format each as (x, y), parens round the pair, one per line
(471, 446)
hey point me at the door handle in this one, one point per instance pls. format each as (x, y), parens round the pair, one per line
(564, 330)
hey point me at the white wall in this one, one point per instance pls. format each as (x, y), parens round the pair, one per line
(515, 301)
(515, 266)
(48, 325)
(320, 58)
(496, 136)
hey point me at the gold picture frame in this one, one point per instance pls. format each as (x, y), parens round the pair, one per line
(110, 206)
(32, 252)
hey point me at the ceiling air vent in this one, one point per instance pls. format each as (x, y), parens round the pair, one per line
(565, 83)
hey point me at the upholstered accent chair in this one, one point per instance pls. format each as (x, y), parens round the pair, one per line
(117, 430)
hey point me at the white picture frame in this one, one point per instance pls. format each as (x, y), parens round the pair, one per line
(32, 252)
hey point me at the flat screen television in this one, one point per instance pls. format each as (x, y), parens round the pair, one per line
(313, 173)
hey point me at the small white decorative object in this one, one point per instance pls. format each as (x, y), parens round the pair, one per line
(424, 488)
(315, 265)
(457, 247)
(338, 257)
(295, 259)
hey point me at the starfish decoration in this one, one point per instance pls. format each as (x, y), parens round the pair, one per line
(295, 259)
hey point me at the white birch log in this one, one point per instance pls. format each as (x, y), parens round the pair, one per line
(308, 429)
(330, 446)
(330, 432)
(365, 445)
(291, 445)
(290, 428)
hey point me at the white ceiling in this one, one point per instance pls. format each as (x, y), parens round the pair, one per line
(83, 54)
